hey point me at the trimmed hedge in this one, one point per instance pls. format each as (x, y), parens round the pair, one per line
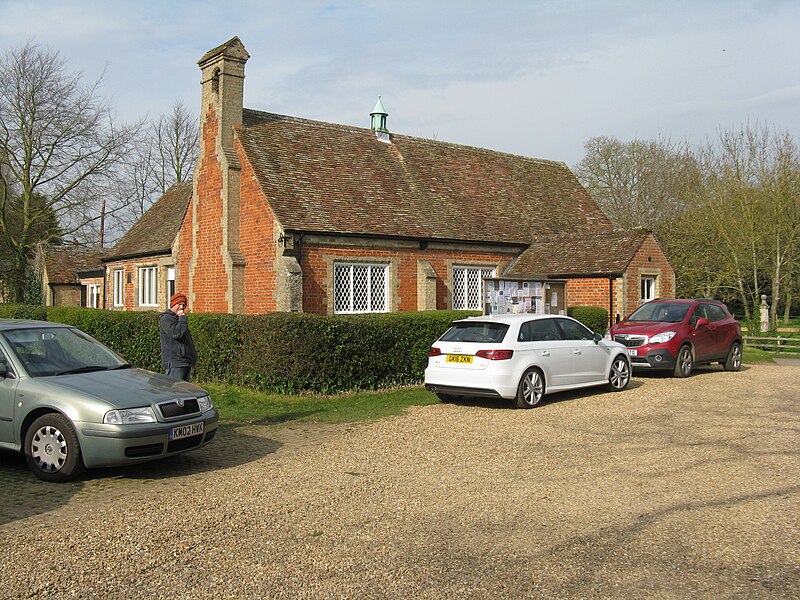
(594, 317)
(280, 352)
(23, 311)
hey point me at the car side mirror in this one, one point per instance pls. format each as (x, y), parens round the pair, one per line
(596, 338)
(3, 369)
(701, 322)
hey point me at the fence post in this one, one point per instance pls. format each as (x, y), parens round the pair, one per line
(764, 314)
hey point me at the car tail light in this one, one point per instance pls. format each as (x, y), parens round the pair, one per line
(495, 354)
(434, 351)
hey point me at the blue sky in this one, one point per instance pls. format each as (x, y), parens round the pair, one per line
(536, 78)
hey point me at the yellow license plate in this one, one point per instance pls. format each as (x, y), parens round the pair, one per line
(459, 358)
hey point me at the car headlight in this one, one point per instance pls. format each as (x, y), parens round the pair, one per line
(661, 338)
(125, 416)
(205, 404)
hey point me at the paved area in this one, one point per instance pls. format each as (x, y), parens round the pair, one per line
(787, 362)
(671, 489)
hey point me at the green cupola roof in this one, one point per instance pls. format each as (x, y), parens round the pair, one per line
(379, 115)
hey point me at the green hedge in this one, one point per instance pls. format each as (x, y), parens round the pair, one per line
(23, 311)
(594, 317)
(283, 352)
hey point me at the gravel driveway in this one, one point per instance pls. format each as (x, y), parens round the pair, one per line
(671, 489)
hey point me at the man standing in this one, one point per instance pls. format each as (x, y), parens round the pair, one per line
(178, 354)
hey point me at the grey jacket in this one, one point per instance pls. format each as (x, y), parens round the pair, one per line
(177, 346)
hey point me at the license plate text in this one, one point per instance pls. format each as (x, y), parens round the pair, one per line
(184, 431)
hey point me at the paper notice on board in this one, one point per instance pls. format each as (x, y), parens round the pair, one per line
(554, 299)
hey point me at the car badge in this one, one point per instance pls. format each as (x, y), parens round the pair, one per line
(179, 402)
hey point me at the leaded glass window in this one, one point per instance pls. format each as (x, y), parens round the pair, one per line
(468, 287)
(360, 288)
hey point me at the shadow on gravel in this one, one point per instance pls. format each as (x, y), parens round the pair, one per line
(557, 397)
(698, 371)
(23, 495)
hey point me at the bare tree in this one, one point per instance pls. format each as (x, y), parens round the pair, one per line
(638, 183)
(60, 144)
(163, 155)
(175, 136)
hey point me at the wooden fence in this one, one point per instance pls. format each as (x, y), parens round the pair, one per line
(773, 344)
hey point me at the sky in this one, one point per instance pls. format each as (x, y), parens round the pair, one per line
(536, 78)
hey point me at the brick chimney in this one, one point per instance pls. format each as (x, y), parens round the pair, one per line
(216, 266)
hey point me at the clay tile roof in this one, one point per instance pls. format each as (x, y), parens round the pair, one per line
(155, 232)
(329, 178)
(588, 253)
(64, 262)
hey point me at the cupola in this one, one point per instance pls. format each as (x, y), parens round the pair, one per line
(378, 123)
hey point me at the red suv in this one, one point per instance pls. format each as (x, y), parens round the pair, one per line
(678, 334)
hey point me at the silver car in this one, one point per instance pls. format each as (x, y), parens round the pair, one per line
(68, 402)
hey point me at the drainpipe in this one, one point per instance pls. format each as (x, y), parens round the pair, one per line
(610, 301)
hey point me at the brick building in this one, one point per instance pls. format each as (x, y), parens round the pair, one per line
(71, 275)
(140, 269)
(289, 214)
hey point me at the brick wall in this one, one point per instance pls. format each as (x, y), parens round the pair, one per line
(130, 282)
(208, 279)
(317, 264)
(589, 292)
(257, 238)
(648, 260)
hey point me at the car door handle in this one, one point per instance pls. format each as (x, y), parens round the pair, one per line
(576, 351)
(545, 353)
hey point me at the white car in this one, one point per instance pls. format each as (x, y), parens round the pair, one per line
(522, 358)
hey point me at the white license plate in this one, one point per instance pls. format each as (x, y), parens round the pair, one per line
(633, 352)
(184, 431)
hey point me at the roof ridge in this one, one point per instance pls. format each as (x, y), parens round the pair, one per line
(417, 139)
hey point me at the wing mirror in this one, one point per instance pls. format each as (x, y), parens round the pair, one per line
(596, 338)
(701, 322)
(3, 368)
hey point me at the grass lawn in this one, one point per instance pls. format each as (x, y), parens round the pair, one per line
(241, 405)
(754, 355)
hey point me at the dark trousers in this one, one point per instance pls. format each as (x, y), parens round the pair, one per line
(179, 372)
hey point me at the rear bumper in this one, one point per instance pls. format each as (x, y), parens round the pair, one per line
(492, 382)
(462, 391)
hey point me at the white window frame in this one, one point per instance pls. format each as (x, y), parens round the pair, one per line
(351, 291)
(647, 287)
(148, 286)
(119, 287)
(462, 301)
(93, 296)
(170, 281)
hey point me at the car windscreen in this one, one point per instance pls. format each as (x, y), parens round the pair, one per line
(477, 331)
(661, 312)
(59, 350)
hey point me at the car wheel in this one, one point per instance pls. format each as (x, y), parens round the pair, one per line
(52, 450)
(620, 374)
(530, 390)
(684, 362)
(734, 360)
